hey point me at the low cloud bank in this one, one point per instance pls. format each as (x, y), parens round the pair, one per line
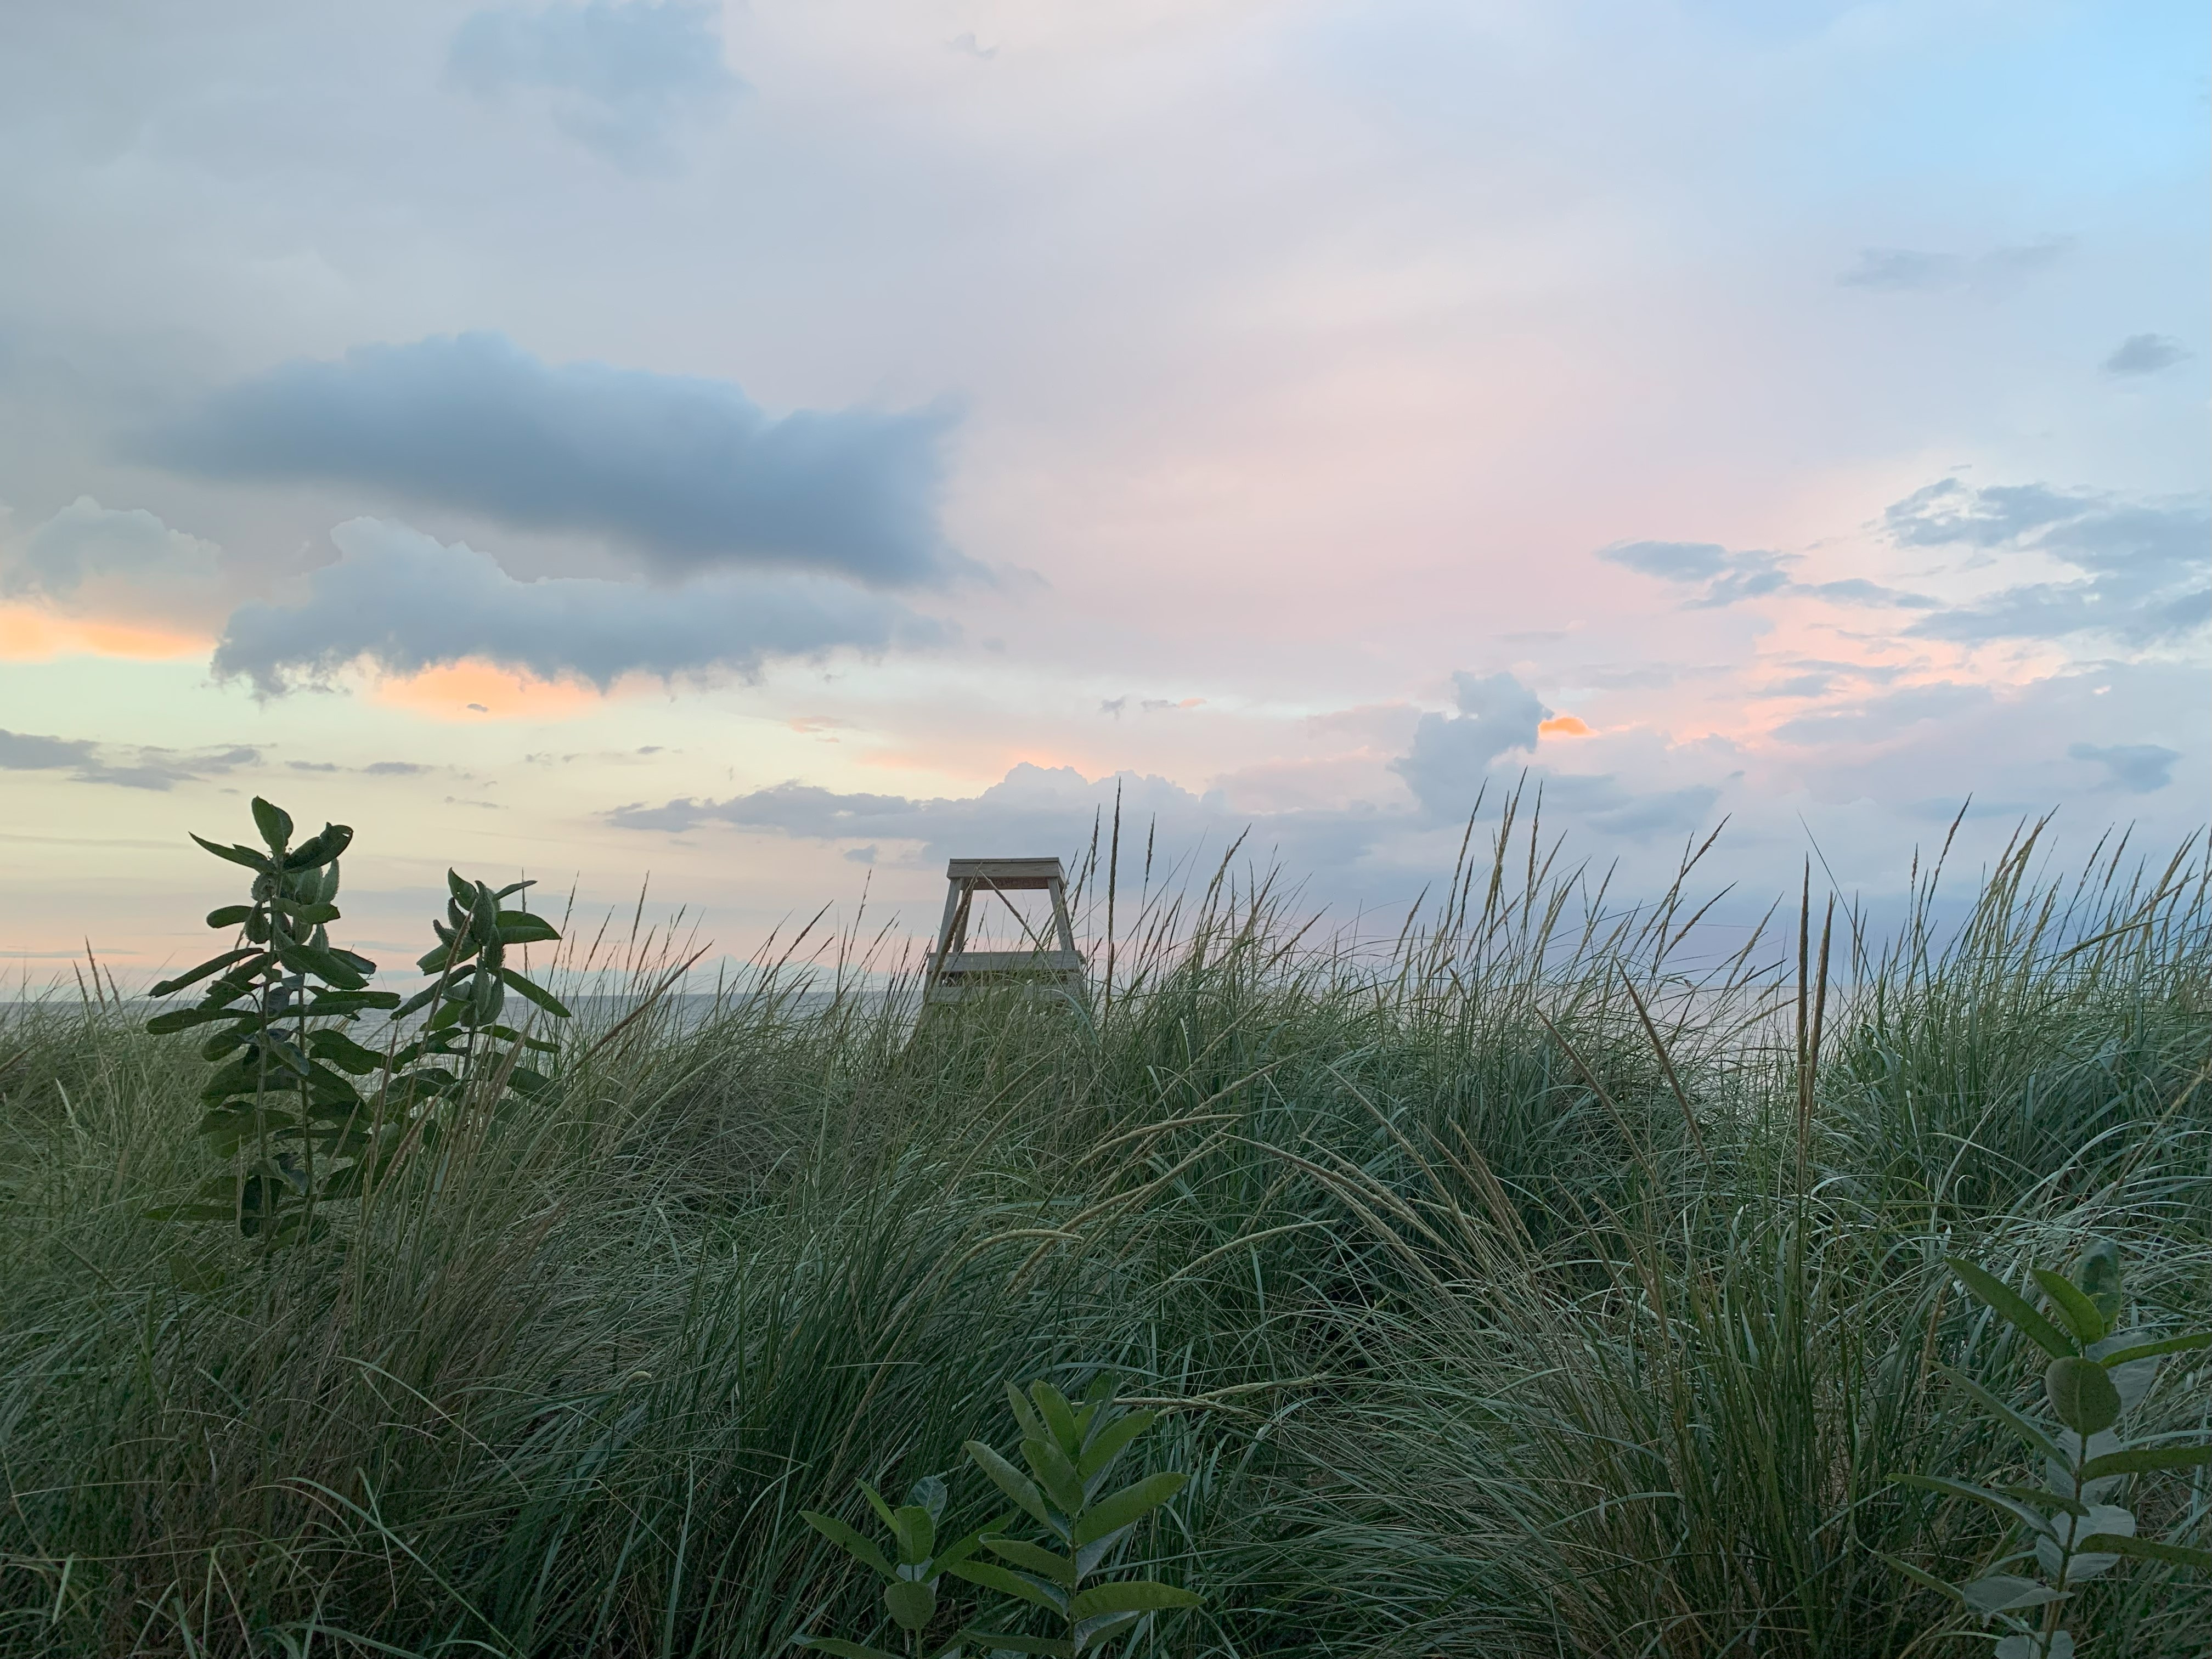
(401, 602)
(688, 475)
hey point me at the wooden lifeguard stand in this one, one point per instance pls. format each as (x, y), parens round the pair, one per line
(1049, 966)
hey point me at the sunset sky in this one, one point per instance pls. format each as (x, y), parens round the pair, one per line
(778, 445)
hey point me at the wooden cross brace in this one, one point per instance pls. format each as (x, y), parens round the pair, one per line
(1049, 964)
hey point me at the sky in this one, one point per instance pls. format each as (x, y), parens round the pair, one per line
(750, 453)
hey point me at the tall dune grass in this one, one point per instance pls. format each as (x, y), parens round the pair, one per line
(1520, 1287)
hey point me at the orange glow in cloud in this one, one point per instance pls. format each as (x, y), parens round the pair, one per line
(478, 691)
(1567, 726)
(30, 635)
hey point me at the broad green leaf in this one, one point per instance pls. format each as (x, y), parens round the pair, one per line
(841, 1647)
(329, 1003)
(1089, 1632)
(2150, 1549)
(1131, 1595)
(927, 1493)
(236, 854)
(519, 928)
(2142, 1460)
(244, 1072)
(1058, 1417)
(1126, 1507)
(874, 1500)
(1011, 1481)
(308, 959)
(284, 1050)
(1008, 1582)
(911, 1604)
(2043, 1498)
(508, 1034)
(490, 997)
(1033, 1558)
(2082, 1396)
(274, 823)
(2012, 1308)
(2152, 1350)
(2001, 1592)
(183, 1019)
(847, 1540)
(212, 965)
(1995, 1500)
(321, 847)
(464, 892)
(342, 1052)
(2012, 1419)
(514, 887)
(1055, 1474)
(2080, 1313)
(415, 1004)
(2098, 1273)
(229, 915)
(915, 1532)
(535, 992)
(966, 1545)
(1106, 1444)
(223, 1043)
(1032, 1426)
(1098, 1406)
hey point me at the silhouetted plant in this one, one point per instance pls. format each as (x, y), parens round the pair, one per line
(285, 1110)
(470, 992)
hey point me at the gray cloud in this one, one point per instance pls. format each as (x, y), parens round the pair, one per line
(1360, 852)
(622, 74)
(1674, 561)
(2143, 576)
(1910, 270)
(1730, 578)
(2145, 354)
(1451, 754)
(1902, 269)
(402, 602)
(689, 474)
(1033, 809)
(90, 559)
(129, 767)
(20, 752)
(1604, 802)
(1038, 810)
(2137, 767)
(1882, 717)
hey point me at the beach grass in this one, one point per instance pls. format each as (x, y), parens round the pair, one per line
(1541, 1279)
